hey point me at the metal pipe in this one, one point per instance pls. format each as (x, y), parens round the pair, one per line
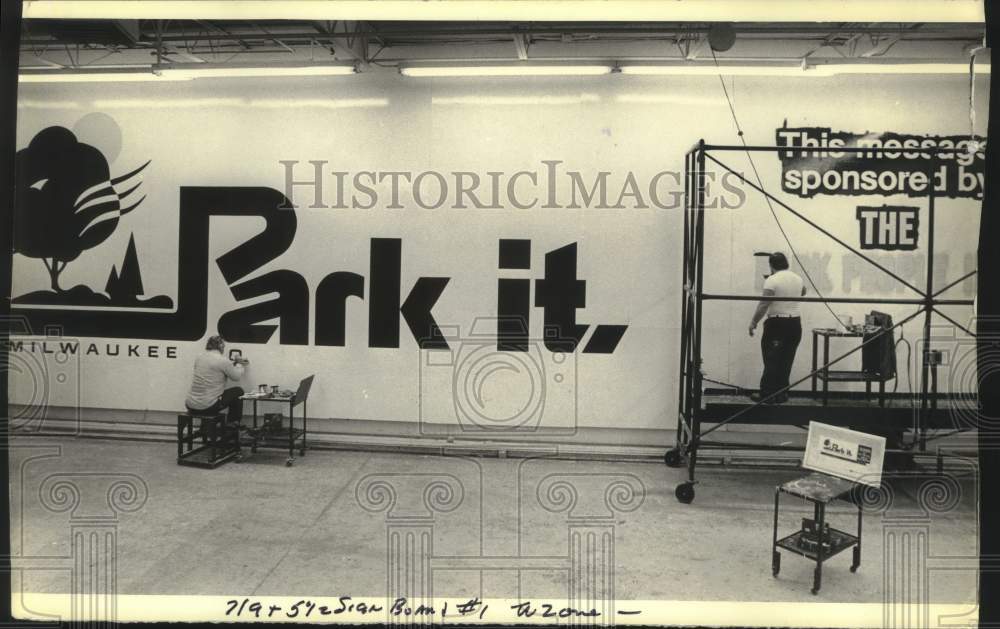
(682, 379)
(699, 216)
(817, 149)
(928, 310)
(955, 323)
(951, 284)
(841, 300)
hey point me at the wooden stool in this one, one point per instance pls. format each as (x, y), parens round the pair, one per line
(219, 441)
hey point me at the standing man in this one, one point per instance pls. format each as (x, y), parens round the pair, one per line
(782, 329)
(208, 391)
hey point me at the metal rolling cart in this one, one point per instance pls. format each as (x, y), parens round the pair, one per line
(817, 540)
(840, 462)
(821, 372)
(262, 437)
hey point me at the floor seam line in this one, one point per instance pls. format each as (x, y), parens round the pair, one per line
(335, 497)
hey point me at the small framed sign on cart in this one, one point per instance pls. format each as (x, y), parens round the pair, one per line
(840, 460)
(848, 454)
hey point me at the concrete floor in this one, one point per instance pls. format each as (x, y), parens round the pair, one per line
(321, 528)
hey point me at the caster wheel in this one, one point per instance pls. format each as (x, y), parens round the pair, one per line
(672, 458)
(814, 591)
(289, 462)
(684, 493)
(854, 568)
(775, 565)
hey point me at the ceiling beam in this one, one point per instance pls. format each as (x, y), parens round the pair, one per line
(521, 45)
(302, 30)
(694, 46)
(352, 33)
(880, 46)
(183, 54)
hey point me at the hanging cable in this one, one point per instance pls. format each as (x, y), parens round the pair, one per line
(909, 368)
(760, 184)
(972, 88)
(972, 95)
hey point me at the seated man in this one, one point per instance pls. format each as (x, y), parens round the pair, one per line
(208, 392)
(782, 329)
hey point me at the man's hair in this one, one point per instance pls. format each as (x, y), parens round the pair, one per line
(215, 342)
(778, 261)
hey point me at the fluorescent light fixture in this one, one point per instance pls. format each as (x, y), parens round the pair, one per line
(215, 103)
(168, 103)
(706, 69)
(505, 101)
(669, 99)
(42, 104)
(115, 76)
(832, 69)
(510, 69)
(185, 72)
(319, 103)
(813, 69)
(199, 70)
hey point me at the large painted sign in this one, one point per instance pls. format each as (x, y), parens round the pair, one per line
(889, 163)
(65, 184)
(433, 261)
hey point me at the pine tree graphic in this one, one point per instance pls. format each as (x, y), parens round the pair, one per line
(126, 286)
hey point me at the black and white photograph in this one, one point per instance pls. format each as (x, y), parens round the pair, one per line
(555, 313)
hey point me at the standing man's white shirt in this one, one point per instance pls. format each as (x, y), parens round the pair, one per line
(784, 283)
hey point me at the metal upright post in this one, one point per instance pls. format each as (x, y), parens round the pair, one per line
(928, 309)
(819, 518)
(685, 491)
(682, 416)
(674, 456)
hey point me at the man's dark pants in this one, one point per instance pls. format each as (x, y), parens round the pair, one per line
(230, 399)
(777, 346)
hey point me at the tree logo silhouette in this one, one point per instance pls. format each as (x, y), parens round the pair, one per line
(67, 202)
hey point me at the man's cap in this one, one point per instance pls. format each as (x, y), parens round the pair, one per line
(778, 261)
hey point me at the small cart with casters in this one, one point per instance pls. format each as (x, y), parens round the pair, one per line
(841, 461)
(258, 437)
(821, 371)
(817, 540)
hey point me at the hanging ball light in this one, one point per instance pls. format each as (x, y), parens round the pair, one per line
(721, 36)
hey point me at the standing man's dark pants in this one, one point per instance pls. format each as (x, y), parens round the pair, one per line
(777, 346)
(230, 399)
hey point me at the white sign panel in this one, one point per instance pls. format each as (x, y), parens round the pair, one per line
(855, 456)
